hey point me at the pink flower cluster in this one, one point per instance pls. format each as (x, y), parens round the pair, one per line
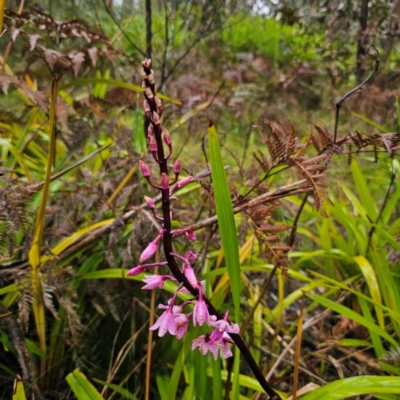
(174, 320)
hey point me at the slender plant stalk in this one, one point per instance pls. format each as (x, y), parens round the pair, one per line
(348, 94)
(298, 349)
(149, 88)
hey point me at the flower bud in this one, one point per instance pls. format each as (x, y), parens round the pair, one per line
(158, 105)
(184, 181)
(149, 93)
(150, 77)
(136, 271)
(156, 119)
(147, 109)
(177, 166)
(190, 234)
(150, 129)
(190, 255)
(150, 202)
(153, 144)
(145, 169)
(147, 63)
(167, 138)
(149, 251)
(164, 181)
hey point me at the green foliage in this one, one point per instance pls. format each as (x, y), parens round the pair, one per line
(81, 387)
(75, 159)
(226, 218)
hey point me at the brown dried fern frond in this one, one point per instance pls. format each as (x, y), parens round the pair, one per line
(281, 143)
(323, 140)
(25, 299)
(262, 161)
(74, 321)
(391, 142)
(39, 98)
(267, 235)
(312, 169)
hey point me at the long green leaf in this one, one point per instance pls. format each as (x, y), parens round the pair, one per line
(226, 218)
(81, 387)
(371, 122)
(347, 312)
(363, 191)
(372, 282)
(355, 386)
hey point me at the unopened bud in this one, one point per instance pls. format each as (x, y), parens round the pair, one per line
(164, 181)
(177, 166)
(158, 105)
(145, 169)
(147, 109)
(150, 77)
(147, 63)
(150, 130)
(153, 144)
(191, 236)
(149, 251)
(149, 201)
(167, 138)
(148, 93)
(184, 181)
(156, 118)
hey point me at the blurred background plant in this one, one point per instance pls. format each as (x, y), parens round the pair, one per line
(72, 221)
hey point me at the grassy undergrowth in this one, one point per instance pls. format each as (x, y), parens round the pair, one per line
(322, 320)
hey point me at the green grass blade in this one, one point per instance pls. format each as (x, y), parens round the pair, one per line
(372, 282)
(126, 394)
(363, 191)
(355, 386)
(375, 339)
(216, 377)
(347, 312)
(82, 388)
(226, 218)
(5, 143)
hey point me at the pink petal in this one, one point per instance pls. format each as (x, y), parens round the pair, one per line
(190, 275)
(148, 251)
(136, 271)
(190, 234)
(144, 168)
(167, 138)
(150, 202)
(200, 314)
(177, 166)
(184, 181)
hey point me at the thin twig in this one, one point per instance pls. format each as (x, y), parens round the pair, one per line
(112, 16)
(292, 236)
(298, 350)
(348, 94)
